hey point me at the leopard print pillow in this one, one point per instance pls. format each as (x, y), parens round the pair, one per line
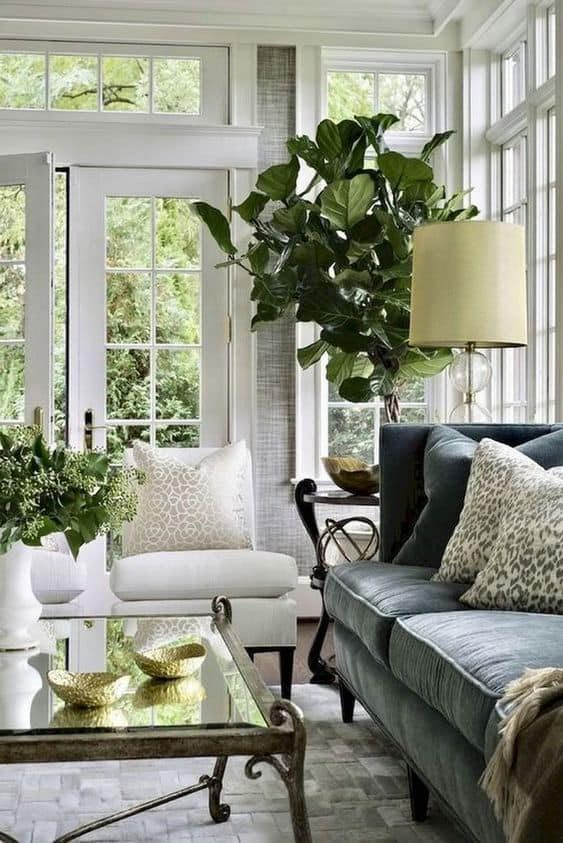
(525, 571)
(468, 550)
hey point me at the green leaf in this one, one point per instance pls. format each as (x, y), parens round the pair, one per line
(419, 364)
(311, 354)
(340, 367)
(279, 181)
(291, 219)
(252, 206)
(435, 142)
(313, 255)
(329, 139)
(375, 127)
(349, 341)
(258, 256)
(265, 313)
(401, 171)
(75, 541)
(309, 152)
(349, 132)
(347, 201)
(217, 224)
(357, 157)
(325, 305)
(357, 390)
(350, 278)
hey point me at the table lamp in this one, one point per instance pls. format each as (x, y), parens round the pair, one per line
(469, 291)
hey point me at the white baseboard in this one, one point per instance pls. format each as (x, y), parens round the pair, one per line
(308, 600)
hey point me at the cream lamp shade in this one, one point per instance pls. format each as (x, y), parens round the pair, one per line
(468, 285)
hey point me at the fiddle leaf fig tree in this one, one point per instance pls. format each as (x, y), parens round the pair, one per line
(339, 252)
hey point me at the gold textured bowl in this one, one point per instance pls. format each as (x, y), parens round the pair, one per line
(88, 690)
(156, 692)
(74, 717)
(171, 662)
(352, 475)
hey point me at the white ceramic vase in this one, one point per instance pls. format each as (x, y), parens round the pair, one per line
(19, 607)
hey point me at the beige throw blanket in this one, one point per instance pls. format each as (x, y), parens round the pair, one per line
(524, 777)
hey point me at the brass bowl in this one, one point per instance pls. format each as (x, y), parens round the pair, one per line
(171, 662)
(352, 475)
(156, 692)
(74, 717)
(88, 690)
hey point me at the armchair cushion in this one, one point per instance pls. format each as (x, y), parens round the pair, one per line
(199, 574)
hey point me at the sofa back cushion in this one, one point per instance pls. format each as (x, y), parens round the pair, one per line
(402, 481)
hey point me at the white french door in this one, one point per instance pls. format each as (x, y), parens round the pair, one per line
(26, 196)
(148, 310)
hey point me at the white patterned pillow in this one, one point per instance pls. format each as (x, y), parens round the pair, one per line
(525, 571)
(469, 548)
(189, 507)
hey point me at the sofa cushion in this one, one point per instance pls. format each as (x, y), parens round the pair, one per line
(367, 598)
(448, 456)
(460, 663)
(192, 574)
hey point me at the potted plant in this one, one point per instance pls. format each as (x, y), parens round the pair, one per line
(339, 252)
(42, 491)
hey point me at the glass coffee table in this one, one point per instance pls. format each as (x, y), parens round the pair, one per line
(224, 709)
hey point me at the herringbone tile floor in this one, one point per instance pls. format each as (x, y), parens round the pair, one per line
(355, 785)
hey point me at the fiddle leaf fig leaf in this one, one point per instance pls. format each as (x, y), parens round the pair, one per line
(311, 354)
(435, 142)
(418, 364)
(347, 201)
(349, 341)
(401, 171)
(375, 127)
(258, 257)
(357, 389)
(350, 278)
(329, 140)
(291, 219)
(279, 182)
(217, 224)
(252, 206)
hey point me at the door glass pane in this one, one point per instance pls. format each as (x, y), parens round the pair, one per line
(12, 292)
(178, 308)
(12, 222)
(60, 309)
(129, 231)
(128, 299)
(153, 320)
(177, 384)
(176, 85)
(73, 83)
(12, 302)
(128, 384)
(22, 80)
(12, 382)
(351, 432)
(125, 83)
(177, 234)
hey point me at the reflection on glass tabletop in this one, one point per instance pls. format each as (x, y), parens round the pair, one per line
(215, 694)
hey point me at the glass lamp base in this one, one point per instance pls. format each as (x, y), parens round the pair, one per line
(470, 413)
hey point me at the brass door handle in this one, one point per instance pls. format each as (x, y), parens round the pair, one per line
(89, 428)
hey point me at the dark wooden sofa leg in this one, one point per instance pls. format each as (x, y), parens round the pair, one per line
(418, 793)
(347, 703)
(286, 671)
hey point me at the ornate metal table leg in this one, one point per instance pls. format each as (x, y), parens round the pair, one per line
(217, 810)
(322, 673)
(290, 767)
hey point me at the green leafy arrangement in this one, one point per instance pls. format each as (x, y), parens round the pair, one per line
(54, 490)
(339, 253)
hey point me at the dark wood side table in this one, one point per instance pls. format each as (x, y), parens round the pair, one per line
(307, 496)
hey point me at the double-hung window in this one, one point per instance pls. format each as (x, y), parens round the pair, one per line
(368, 82)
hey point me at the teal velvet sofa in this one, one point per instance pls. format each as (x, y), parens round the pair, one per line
(428, 669)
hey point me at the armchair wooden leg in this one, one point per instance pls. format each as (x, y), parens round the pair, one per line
(286, 671)
(347, 703)
(418, 793)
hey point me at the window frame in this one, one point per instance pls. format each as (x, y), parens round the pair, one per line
(311, 384)
(530, 118)
(214, 83)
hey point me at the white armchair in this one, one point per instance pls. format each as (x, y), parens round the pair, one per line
(258, 583)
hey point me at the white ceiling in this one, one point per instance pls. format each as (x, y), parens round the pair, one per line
(417, 17)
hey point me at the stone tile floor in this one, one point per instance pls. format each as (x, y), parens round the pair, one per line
(355, 785)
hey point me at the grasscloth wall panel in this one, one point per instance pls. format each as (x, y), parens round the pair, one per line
(278, 527)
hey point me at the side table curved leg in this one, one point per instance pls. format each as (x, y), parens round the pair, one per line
(322, 673)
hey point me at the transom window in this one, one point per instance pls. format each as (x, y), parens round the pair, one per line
(361, 92)
(513, 77)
